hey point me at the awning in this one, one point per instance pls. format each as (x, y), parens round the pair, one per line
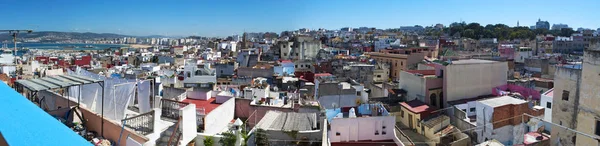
(55, 82)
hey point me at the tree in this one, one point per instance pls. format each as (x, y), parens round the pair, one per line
(228, 139)
(566, 32)
(208, 141)
(261, 138)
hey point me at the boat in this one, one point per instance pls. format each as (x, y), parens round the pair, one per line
(89, 46)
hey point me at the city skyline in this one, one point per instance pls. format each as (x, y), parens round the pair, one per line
(216, 18)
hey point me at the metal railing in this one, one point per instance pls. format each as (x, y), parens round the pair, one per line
(171, 108)
(142, 124)
(176, 135)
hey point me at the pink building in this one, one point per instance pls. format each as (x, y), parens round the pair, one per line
(506, 50)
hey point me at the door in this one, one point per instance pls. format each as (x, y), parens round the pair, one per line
(410, 121)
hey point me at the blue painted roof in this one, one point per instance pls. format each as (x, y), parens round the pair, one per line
(23, 123)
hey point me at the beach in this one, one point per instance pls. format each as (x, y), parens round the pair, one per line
(139, 46)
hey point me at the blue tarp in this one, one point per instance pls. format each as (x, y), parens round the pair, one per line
(23, 123)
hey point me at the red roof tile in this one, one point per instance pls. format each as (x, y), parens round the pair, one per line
(208, 105)
(416, 106)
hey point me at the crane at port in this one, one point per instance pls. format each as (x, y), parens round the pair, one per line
(14, 34)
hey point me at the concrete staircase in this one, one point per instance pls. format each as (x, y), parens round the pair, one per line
(166, 135)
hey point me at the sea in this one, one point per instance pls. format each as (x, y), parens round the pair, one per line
(52, 46)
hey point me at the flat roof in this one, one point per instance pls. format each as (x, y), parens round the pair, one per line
(472, 61)
(207, 105)
(54, 82)
(500, 101)
(288, 121)
(26, 124)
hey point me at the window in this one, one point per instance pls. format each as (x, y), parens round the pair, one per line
(565, 95)
(383, 133)
(560, 123)
(358, 93)
(296, 54)
(376, 132)
(418, 123)
(464, 110)
(549, 105)
(432, 99)
(472, 109)
(337, 134)
(296, 65)
(284, 54)
(401, 113)
(379, 76)
(597, 131)
(401, 63)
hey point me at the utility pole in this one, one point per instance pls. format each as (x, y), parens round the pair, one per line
(14, 34)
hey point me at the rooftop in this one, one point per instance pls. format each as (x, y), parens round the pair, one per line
(416, 106)
(288, 121)
(549, 93)
(30, 125)
(472, 61)
(531, 138)
(366, 143)
(422, 72)
(435, 121)
(503, 100)
(207, 105)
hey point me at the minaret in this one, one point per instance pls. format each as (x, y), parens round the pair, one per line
(517, 23)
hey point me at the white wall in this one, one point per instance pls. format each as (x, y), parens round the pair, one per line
(414, 86)
(362, 128)
(484, 115)
(339, 100)
(547, 111)
(218, 119)
(202, 95)
(188, 123)
(464, 81)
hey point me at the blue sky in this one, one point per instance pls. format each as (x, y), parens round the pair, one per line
(227, 17)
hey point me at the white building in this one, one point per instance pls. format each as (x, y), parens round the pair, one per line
(366, 122)
(522, 53)
(495, 119)
(546, 102)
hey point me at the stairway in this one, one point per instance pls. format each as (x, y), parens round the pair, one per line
(166, 135)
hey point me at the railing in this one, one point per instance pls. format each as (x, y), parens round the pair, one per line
(142, 124)
(182, 96)
(176, 134)
(404, 136)
(170, 108)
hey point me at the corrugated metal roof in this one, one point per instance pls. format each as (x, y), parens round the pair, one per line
(54, 82)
